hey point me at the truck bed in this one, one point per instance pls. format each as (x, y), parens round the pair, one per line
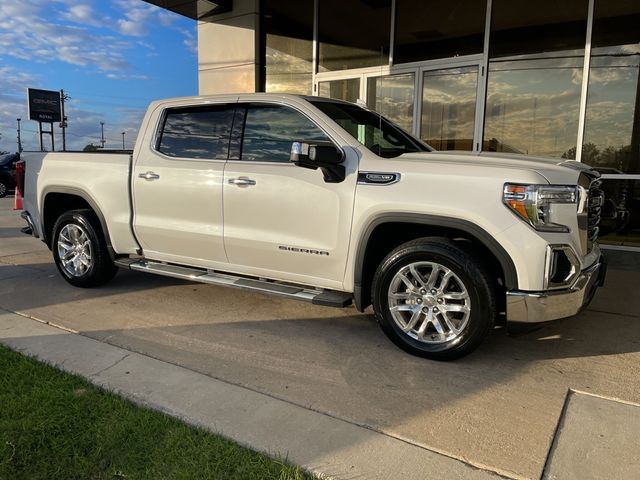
(101, 178)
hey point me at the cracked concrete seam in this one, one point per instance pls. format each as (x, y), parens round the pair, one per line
(104, 369)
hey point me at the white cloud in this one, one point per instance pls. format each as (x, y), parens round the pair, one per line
(138, 16)
(24, 35)
(84, 14)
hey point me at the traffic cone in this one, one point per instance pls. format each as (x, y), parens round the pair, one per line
(17, 199)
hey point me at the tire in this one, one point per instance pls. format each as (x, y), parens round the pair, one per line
(443, 315)
(77, 234)
(4, 188)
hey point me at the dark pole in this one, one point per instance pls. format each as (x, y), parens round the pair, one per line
(40, 132)
(63, 124)
(19, 138)
(123, 140)
(102, 134)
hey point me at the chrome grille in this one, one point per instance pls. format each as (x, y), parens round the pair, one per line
(594, 210)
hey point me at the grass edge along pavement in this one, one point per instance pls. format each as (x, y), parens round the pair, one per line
(58, 425)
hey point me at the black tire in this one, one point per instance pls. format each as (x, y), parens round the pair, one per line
(477, 288)
(101, 268)
(4, 188)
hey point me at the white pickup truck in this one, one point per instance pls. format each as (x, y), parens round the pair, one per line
(325, 201)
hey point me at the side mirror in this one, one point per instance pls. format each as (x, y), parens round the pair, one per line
(327, 157)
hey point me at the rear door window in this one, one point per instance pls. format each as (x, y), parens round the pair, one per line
(197, 132)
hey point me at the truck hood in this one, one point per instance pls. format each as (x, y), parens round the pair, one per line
(557, 171)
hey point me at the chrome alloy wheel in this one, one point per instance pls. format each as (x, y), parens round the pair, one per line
(3, 189)
(429, 302)
(74, 250)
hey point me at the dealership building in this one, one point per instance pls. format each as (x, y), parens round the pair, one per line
(546, 77)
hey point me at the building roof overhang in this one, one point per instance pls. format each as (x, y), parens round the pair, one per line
(196, 9)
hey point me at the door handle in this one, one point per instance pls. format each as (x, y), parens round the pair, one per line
(149, 176)
(242, 181)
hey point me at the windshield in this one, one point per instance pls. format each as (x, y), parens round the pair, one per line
(371, 129)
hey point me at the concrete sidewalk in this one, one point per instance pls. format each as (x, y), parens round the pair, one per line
(324, 445)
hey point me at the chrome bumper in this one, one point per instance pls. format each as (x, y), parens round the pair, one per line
(534, 307)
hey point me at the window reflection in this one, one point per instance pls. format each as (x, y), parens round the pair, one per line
(287, 27)
(393, 96)
(521, 27)
(620, 220)
(353, 34)
(198, 132)
(612, 124)
(438, 29)
(270, 130)
(449, 108)
(533, 106)
(347, 90)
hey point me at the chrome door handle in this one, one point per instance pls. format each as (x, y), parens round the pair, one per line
(149, 176)
(242, 181)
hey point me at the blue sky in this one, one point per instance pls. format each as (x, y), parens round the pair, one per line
(111, 56)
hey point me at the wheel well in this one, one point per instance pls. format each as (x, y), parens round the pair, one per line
(387, 236)
(55, 204)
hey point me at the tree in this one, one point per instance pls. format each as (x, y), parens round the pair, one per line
(90, 148)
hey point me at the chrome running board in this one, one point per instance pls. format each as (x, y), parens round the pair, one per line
(329, 298)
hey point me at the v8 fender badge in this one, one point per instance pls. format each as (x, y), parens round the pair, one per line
(378, 178)
(311, 251)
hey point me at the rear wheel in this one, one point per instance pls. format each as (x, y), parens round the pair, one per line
(4, 188)
(433, 298)
(80, 251)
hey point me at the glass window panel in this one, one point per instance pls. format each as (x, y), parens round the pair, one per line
(620, 220)
(287, 26)
(347, 90)
(393, 96)
(533, 106)
(449, 108)
(373, 131)
(198, 132)
(520, 27)
(270, 130)
(353, 34)
(438, 29)
(612, 124)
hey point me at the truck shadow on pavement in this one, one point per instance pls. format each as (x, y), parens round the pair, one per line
(340, 363)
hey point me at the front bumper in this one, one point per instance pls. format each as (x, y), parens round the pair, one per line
(535, 307)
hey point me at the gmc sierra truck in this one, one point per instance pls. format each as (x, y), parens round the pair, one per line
(328, 202)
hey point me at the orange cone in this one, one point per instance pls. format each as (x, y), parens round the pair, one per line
(17, 201)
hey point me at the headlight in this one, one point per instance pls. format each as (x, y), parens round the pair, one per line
(533, 203)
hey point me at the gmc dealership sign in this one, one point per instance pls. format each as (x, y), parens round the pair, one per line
(44, 105)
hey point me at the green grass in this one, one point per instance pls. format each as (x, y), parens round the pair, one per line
(58, 426)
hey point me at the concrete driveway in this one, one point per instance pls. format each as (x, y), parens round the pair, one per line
(497, 408)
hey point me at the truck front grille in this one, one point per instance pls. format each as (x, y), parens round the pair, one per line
(594, 210)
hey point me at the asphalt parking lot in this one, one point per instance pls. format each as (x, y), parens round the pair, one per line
(497, 408)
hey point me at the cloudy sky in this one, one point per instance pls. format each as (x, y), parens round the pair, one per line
(111, 56)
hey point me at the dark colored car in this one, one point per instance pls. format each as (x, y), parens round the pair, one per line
(8, 173)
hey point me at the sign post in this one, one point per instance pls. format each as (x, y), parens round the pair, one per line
(45, 107)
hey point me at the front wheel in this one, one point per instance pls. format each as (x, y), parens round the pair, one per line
(433, 298)
(4, 188)
(80, 251)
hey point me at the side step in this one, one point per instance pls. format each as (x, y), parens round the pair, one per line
(327, 298)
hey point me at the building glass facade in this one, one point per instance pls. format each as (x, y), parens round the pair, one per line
(557, 79)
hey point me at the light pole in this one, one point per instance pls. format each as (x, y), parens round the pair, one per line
(102, 135)
(19, 137)
(123, 140)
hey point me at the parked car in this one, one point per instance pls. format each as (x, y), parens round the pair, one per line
(325, 201)
(8, 173)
